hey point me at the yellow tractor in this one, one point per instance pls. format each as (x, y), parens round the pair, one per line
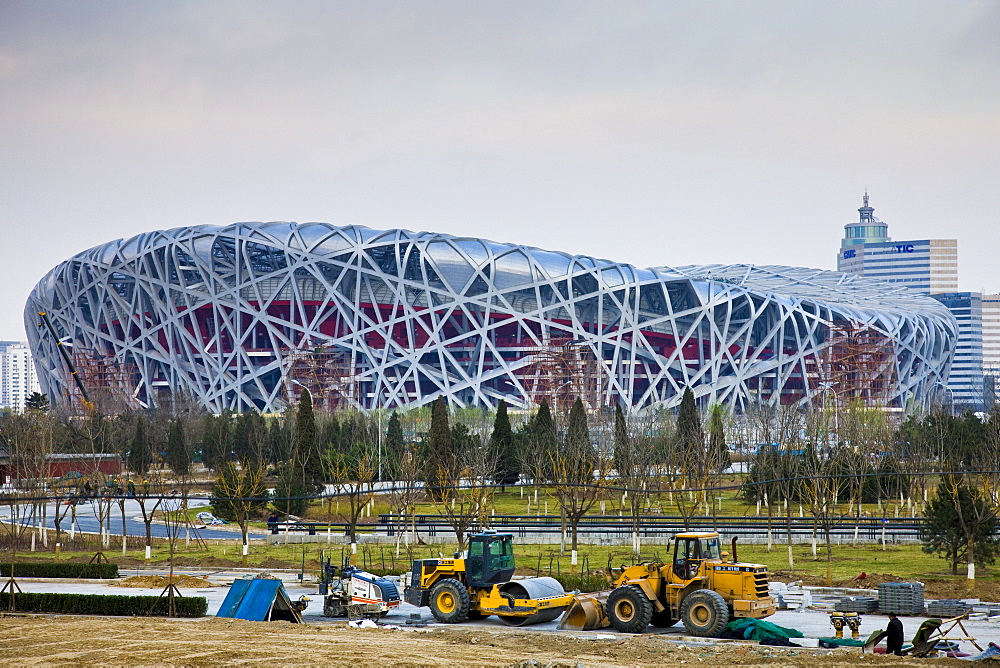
(702, 587)
(478, 584)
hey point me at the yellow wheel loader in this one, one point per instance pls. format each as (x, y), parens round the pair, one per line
(478, 584)
(702, 587)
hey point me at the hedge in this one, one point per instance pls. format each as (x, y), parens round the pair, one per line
(60, 569)
(113, 605)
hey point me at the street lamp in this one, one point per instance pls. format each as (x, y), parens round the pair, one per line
(828, 387)
(951, 399)
(292, 380)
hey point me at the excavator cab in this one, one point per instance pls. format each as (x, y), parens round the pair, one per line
(490, 559)
(691, 551)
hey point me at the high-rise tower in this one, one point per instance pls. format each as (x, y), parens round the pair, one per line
(927, 265)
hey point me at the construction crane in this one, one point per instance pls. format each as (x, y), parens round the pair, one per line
(87, 403)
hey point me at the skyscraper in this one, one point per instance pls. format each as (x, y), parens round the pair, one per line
(17, 374)
(966, 383)
(927, 265)
(991, 346)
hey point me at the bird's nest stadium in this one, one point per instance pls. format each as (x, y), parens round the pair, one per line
(249, 315)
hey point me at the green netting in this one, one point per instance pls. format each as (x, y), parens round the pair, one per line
(843, 642)
(759, 629)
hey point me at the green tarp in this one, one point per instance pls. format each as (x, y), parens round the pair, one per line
(759, 629)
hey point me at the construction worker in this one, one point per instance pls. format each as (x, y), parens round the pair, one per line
(894, 636)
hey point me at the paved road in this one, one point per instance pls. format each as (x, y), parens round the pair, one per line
(87, 521)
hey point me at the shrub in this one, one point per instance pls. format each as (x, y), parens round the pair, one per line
(113, 605)
(584, 582)
(60, 570)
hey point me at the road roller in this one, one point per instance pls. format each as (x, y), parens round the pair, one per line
(478, 583)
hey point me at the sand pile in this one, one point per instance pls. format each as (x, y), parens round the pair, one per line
(159, 581)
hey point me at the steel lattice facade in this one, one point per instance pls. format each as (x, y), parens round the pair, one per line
(226, 314)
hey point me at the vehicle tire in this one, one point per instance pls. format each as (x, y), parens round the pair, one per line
(705, 613)
(629, 611)
(450, 601)
(662, 620)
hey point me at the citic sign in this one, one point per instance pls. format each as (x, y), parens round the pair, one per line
(904, 248)
(848, 254)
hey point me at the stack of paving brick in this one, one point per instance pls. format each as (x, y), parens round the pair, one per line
(901, 598)
(948, 608)
(857, 604)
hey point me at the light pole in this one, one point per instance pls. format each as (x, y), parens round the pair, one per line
(828, 387)
(951, 399)
(292, 380)
(378, 415)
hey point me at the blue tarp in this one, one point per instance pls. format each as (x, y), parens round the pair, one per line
(258, 600)
(233, 598)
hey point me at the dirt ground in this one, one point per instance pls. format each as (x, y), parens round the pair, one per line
(76, 641)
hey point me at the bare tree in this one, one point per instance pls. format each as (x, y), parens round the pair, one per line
(578, 473)
(22, 438)
(238, 495)
(404, 492)
(353, 475)
(775, 430)
(634, 464)
(690, 461)
(148, 494)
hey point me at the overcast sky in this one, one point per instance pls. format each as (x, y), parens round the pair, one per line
(655, 133)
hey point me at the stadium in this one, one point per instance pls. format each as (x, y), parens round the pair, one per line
(250, 315)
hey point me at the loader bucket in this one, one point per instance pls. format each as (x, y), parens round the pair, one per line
(586, 613)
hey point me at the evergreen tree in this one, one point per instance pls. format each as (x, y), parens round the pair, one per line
(139, 457)
(330, 435)
(36, 401)
(393, 448)
(957, 519)
(305, 424)
(718, 450)
(578, 452)
(178, 457)
(439, 461)
(242, 427)
(690, 437)
(503, 449)
(462, 443)
(216, 440)
(279, 441)
(624, 453)
(291, 493)
(542, 442)
(306, 454)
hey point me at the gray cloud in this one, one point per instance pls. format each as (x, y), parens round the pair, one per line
(654, 133)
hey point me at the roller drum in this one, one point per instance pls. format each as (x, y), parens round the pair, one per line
(532, 588)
